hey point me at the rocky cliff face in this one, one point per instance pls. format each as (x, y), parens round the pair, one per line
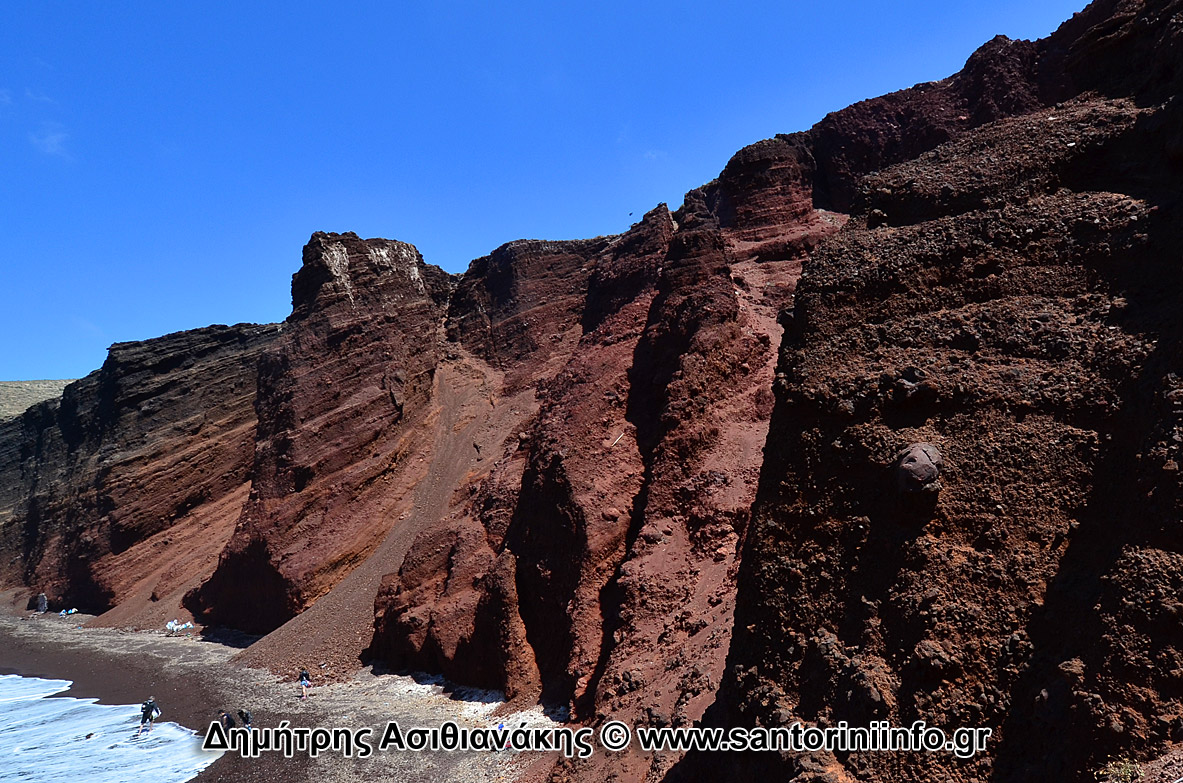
(596, 563)
(1006, 298)
(120, 494)
(354, 363)
(878, 425)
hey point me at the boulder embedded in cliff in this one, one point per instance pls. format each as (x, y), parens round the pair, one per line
(918, 468)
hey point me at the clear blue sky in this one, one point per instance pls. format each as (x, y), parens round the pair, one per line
(162, 164)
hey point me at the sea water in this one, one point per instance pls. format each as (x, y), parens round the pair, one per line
(44, 740)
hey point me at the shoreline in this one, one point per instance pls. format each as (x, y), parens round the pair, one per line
(127, 680)
(117, 667)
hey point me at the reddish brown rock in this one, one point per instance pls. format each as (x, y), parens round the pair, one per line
(453, 606)
(1006, 297)
(618, 513)
(354, 363)
(527, 528)
(517, 308)
(624, 550)
(556, 474)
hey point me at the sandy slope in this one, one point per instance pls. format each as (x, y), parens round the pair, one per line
(329, 638)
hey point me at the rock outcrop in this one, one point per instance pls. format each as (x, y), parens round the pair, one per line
(596, 564)
(355, 362)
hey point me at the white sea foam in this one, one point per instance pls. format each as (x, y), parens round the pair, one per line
(46, 740)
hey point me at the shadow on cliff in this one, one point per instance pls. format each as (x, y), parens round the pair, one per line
(1093, 629)
(252, 607)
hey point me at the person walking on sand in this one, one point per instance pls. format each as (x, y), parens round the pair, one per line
(305, 683)
(227, 720)
(246, 718)
(149, 712)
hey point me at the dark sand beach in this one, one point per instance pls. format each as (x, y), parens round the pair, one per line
(192, 679)
(187, 676)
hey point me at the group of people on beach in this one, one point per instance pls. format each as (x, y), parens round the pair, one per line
(228, 721)
(150, 711)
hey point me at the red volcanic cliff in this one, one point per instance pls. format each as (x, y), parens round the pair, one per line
(354, 363)
(1006, 299)
(880, 424)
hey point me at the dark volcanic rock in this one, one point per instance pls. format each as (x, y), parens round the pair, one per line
(583, 471)
(918, 468)
(1007, 296)
(123, 491)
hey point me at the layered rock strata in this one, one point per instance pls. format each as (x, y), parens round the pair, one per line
(354, 364)
(122, 492)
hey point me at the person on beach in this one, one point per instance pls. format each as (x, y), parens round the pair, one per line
(246, 718)
(227, 720)
(149, 712)
(305, 683)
